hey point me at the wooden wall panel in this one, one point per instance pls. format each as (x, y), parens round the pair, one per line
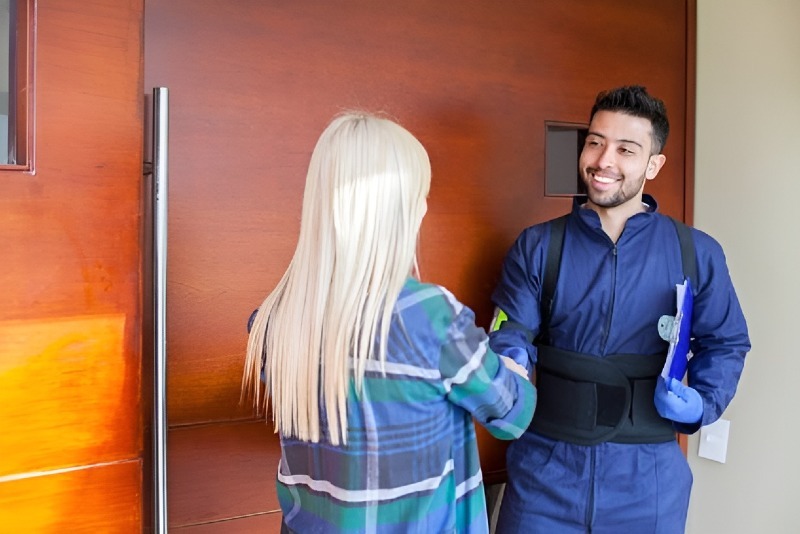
(102, 498)
(269, 523)
(70, 320)
(221, 471)
(64, 394)
(252, 84)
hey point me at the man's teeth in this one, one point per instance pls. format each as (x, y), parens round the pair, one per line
(604, 180)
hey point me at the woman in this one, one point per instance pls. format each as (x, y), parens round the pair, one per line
(373, 377)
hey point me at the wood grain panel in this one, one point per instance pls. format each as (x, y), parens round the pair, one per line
(221, 471)
(70, 323)
(71, 233)
(269, 523)
(62, 388)
(253, 84)
(493, 456)
(91, 499)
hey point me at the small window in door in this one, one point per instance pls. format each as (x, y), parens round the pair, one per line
(563, 145)
(16, 87)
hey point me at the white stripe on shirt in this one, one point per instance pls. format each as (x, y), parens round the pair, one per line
(383, 494)
(403, 369)
(475, 361)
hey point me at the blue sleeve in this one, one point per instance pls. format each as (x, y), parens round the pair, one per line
(720, 337)
(517, 294)
(251, 319)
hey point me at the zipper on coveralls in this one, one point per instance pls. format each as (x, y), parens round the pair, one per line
(590, 500)
(607, 326)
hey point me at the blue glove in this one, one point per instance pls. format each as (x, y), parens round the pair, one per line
(677, 402)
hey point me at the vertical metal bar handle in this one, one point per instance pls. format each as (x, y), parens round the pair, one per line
(160, 161)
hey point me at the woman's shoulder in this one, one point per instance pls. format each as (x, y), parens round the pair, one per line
(427, 295)
(432, 305)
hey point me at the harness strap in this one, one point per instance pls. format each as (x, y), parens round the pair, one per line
(551, 270)
(688, 255)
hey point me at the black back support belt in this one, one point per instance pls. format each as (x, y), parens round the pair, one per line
(587, 400)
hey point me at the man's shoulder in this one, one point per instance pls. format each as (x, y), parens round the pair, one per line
(702, 239)
(534, 232)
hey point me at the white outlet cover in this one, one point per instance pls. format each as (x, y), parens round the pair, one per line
(714, 441)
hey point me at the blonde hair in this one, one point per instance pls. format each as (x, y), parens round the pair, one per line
(364, 200)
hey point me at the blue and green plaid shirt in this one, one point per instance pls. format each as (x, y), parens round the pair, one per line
(411, 460)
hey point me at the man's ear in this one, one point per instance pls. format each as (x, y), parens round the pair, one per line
(654, 165)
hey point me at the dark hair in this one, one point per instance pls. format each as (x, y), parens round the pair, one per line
(634, 100)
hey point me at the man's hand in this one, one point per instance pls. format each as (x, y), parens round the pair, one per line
(678, 402)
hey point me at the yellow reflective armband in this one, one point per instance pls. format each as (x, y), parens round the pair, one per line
(499, 318)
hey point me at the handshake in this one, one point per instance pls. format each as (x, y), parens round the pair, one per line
(512, 358)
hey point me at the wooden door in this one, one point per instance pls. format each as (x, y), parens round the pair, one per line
(70, 321)
(253, 83)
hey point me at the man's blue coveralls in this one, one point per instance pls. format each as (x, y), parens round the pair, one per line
(608, 300)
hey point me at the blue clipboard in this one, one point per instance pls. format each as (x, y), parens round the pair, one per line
(680, 333)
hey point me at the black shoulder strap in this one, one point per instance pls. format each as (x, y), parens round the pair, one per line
(688, 254)
(552, 266)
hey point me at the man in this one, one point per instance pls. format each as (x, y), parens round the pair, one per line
(601, 454)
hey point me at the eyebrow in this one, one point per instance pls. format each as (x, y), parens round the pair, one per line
(618, 140)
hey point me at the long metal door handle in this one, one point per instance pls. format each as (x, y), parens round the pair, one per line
(160, 194)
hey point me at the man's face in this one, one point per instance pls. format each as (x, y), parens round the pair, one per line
(616, 160)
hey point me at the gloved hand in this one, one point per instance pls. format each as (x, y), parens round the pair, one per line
(677, 402)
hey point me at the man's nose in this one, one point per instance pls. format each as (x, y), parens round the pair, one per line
(604, 158)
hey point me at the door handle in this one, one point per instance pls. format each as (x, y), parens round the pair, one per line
(159, 169)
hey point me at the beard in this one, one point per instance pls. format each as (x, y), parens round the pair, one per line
(623, 191)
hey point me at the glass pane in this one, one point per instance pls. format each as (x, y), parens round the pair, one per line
(6, 82)
(563, 145)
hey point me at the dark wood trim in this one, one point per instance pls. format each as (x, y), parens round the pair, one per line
(689, 134)
(691, 90)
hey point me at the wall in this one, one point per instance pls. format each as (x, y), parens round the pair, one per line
(252, 84)
(251, 88)
(746, 186)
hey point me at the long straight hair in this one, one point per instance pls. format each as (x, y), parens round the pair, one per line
(364, 200)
